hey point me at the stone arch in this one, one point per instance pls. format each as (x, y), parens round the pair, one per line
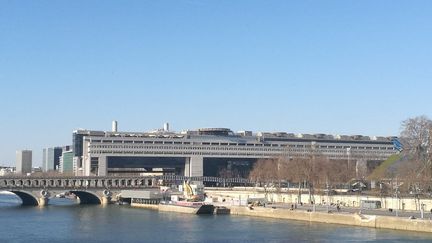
(86, 197)
(27, 198)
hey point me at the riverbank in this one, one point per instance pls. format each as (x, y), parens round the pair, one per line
(371, 221)
(240, 195)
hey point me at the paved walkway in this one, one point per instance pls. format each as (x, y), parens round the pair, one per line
(345, 210)
(333, 209)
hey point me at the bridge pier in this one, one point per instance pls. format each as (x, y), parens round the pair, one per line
(44, 198)
(43, 201)
(105, 200)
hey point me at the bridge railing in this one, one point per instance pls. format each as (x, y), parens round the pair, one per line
(112, 182)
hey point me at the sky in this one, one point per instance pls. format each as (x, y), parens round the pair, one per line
(336, 67)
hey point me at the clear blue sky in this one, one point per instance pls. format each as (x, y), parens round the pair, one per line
(338, 67)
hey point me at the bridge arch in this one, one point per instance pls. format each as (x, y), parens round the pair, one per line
(86, 197)
(26, 197)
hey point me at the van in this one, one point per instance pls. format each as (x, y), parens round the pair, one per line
(370, 204)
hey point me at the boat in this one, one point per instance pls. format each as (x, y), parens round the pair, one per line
(61, 195)
(187, 207)
(191, 202)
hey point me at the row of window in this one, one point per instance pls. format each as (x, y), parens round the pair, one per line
(322, 148)
(337, 153)
(180, 148)
(235, 144)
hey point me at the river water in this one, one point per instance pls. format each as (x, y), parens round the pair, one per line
(64, 221)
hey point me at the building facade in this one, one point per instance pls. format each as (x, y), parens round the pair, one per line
(51, 158)
(23, 161)
(7, 171)
(67, 162)
(205, 152)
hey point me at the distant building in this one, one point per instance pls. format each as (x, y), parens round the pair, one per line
(6, 171)
(23, 161)
(67, 162)
(37, 170)
(51, 158)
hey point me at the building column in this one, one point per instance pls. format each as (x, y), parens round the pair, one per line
(187, 167)
(86, 166)
(194, 166)
(102, 166)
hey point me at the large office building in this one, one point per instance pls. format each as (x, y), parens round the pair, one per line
(51, 158)
(206, 152)
(23, 161)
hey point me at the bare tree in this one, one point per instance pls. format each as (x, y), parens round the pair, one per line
(416, 170)
(264, 171)
(416, 136)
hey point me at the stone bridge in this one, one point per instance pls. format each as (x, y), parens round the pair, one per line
(34, 191)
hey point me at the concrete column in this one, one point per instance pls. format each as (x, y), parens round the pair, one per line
(187, 167)
(360, 167)
(194, 166)
(43, 201)
(86, 166)
(102, 164)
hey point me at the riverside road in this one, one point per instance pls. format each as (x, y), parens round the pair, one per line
(333, 209)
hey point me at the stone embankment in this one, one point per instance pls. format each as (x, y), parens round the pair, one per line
(373, 221)
(240, 195)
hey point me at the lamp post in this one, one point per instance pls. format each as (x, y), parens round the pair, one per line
(328, 197)
(397, 198)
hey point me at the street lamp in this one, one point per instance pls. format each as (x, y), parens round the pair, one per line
(328, 198)
(397, 198)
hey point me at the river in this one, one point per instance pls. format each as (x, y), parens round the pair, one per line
(64, 221)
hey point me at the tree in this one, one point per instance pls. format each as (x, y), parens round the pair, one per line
(416, 136)
(264, 171)
(313, 170)
(416, 170)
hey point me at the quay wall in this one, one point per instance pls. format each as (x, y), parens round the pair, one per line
(372, 221)
(238, 195)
